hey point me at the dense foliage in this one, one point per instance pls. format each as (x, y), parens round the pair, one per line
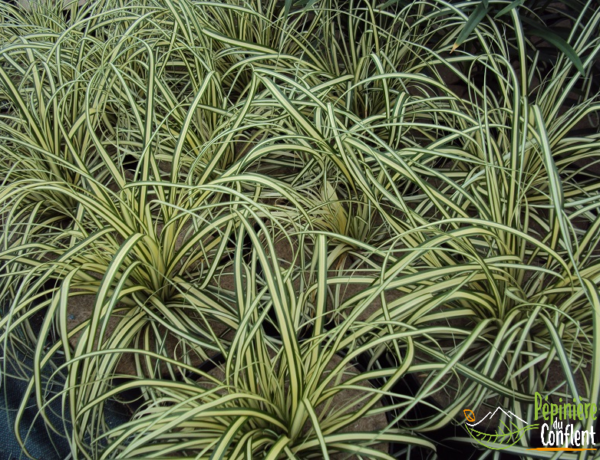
(320, 198)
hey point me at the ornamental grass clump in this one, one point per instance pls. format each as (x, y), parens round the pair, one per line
(276, 395)
(320, 201)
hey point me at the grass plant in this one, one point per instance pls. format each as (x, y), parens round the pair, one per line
(324, 199)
